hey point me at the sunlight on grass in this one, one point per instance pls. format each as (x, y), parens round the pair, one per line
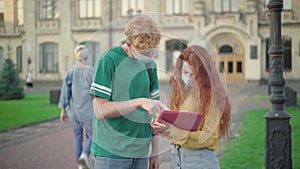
(248, 150)
(33, 108)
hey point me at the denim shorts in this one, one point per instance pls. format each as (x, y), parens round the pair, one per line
(186, 158)
(119, 163)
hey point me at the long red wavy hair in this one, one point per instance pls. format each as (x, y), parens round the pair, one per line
(206, 86)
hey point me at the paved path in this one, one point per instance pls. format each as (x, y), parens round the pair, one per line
(49, 145)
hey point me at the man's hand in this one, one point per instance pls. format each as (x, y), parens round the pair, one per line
(154, 162)
(63, 116)
(152, 106)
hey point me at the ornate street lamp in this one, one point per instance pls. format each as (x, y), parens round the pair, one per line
(278, 129)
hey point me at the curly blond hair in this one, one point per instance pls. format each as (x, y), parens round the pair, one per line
(142, 31)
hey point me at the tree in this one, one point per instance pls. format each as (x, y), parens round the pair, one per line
(10, 83)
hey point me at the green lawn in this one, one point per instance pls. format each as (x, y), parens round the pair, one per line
(248, 150)
(33, 108)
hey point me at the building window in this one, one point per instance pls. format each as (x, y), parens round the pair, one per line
(221, 67)
(172, 46)
(226, 49)
(230, 67)
(287, 54)
(1, 58)
(90, 8)
(48, 57)
(20, 10)
(299, 49)
(1, 19)
(239, 67)
(177, 7)
(130, 7)
(48, 9)
(1, 13)
(225, 6)
(253, 52)
(267, 53)
(19, 65)
(199, 7)
(94, 51)
(287, 4)
(287, 47)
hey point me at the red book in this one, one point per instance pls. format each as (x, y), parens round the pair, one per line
(183, 120)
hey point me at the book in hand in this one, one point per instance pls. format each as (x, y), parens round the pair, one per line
(181, 119)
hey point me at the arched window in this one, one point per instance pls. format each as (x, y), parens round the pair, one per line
(48, 57)
(225, 49)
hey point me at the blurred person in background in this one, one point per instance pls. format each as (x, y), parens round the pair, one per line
(76, 103)
(29, 80)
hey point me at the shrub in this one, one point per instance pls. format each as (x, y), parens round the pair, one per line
(10, 82)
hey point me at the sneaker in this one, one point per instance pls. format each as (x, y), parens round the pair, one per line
(79, 166)
(83, 161)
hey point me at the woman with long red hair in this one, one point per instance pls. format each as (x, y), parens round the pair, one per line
(197, 87)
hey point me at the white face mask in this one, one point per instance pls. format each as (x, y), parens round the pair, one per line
(185, 79)
(138, 56)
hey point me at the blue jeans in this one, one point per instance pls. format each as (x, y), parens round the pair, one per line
(78, 130)
(119, 163)
(185, 158)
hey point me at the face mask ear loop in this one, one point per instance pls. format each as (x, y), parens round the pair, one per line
(131, 49)
(128, 44)
(185, 79)
(134, 52)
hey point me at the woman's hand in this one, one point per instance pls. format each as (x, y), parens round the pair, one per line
(161, 127)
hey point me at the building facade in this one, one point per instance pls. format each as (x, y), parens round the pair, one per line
(40, 35)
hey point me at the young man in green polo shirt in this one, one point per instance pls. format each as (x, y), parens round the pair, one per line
(125, 89)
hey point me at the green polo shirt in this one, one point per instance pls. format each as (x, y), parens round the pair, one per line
(118, 77)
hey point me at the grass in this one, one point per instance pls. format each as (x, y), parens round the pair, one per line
(264, 97)
(33, 108)
(248, 150)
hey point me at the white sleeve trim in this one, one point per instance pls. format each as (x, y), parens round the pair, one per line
(154, 94)
(101, 89)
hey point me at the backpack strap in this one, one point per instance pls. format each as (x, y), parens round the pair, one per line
(149, 73)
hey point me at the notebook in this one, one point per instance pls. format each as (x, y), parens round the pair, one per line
(183, 120)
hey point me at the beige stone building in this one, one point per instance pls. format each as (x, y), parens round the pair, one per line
(40, 35)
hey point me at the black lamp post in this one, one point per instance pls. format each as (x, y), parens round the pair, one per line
(278, 129)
